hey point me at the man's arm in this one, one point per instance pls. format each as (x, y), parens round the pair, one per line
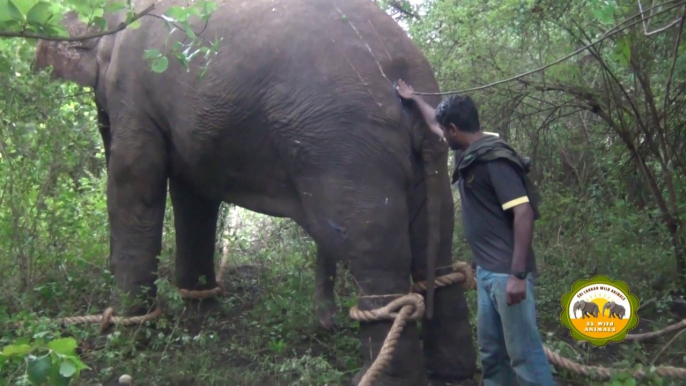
(427, 112)
(523, 235)
(511, 192)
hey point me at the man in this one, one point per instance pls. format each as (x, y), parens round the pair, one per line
(499, 209)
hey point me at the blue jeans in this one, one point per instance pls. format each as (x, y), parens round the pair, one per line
(509, 343)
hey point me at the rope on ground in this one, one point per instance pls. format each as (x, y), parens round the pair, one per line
(411, 308)
(464, 275)
(604, 372)
(107, 318)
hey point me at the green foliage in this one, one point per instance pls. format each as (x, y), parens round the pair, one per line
(600, 214)
(40, 19)
(52, 362)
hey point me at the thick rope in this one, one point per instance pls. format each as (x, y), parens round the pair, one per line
(107, 318)
(213, 292)
(605, 373)
(390, 311)
(463, 275)
(411, 308)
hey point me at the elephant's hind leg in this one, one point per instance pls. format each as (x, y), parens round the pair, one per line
(195, 221)
(325, 276)
(136, 198)
(369, 229)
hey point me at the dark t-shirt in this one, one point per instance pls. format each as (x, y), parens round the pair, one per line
(488, 192)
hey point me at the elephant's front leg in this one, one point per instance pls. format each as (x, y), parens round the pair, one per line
(325, 278)
(380, 266)
(195, 221)
(136, 197)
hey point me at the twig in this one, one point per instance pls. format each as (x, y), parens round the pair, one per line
(122, 26)
(614, 30)
(652, 363)
(645, 24)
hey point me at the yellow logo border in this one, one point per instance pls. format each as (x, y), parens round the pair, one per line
(567, 298)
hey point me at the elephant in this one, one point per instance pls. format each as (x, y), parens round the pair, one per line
(587, 309)
(296, 116)
(616, 310)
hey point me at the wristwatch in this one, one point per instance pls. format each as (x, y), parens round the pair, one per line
(519, 275)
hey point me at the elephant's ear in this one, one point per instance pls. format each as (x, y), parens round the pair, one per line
(72, 61)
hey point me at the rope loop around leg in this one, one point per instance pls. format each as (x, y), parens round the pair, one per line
(392, 309)
(463, 274)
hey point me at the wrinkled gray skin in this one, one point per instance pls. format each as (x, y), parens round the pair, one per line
(587, 309)
(294, 118)
(615, 310)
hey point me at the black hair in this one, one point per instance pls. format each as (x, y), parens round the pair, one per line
(459, 110)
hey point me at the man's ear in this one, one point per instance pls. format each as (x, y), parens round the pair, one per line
(452, 129)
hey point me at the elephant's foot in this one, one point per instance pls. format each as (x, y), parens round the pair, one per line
(387, 380)
(325, 311)
(134, 300)
(325, 304)
(406, 367)
(449, 349)
(203, 307)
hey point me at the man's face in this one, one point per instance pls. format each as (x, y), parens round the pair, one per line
(454, 137)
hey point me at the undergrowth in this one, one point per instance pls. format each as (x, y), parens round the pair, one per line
(54, 242)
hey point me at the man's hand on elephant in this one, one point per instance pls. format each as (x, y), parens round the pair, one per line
(516, 290)
(405, 91)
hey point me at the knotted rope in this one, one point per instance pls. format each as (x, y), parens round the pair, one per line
(411, 307)
(463, 275)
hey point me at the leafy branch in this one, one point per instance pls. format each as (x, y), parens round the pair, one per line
(40, 11)
(611, 32)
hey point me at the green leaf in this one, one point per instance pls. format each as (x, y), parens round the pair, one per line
(182, 58)
(39, 369)
(67, 368)
(40, 13)
(16, 349)
(9, 11)
(135, 25)
(151, 53)
(57, 379)
(79, 365)
(114, 7)
(100, 22)
(605, 15)
(23, 5)
(160, 64)
(189, 31)
(177, 13)
(64, 346)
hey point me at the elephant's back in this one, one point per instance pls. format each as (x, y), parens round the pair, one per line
(341, 48)
(303, 79)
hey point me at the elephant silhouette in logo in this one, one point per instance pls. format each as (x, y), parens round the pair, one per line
(587, 309)
(616, 310)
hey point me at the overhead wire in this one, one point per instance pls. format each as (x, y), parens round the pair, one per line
(613, 31)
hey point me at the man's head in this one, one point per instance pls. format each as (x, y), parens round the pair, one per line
(459, 119)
